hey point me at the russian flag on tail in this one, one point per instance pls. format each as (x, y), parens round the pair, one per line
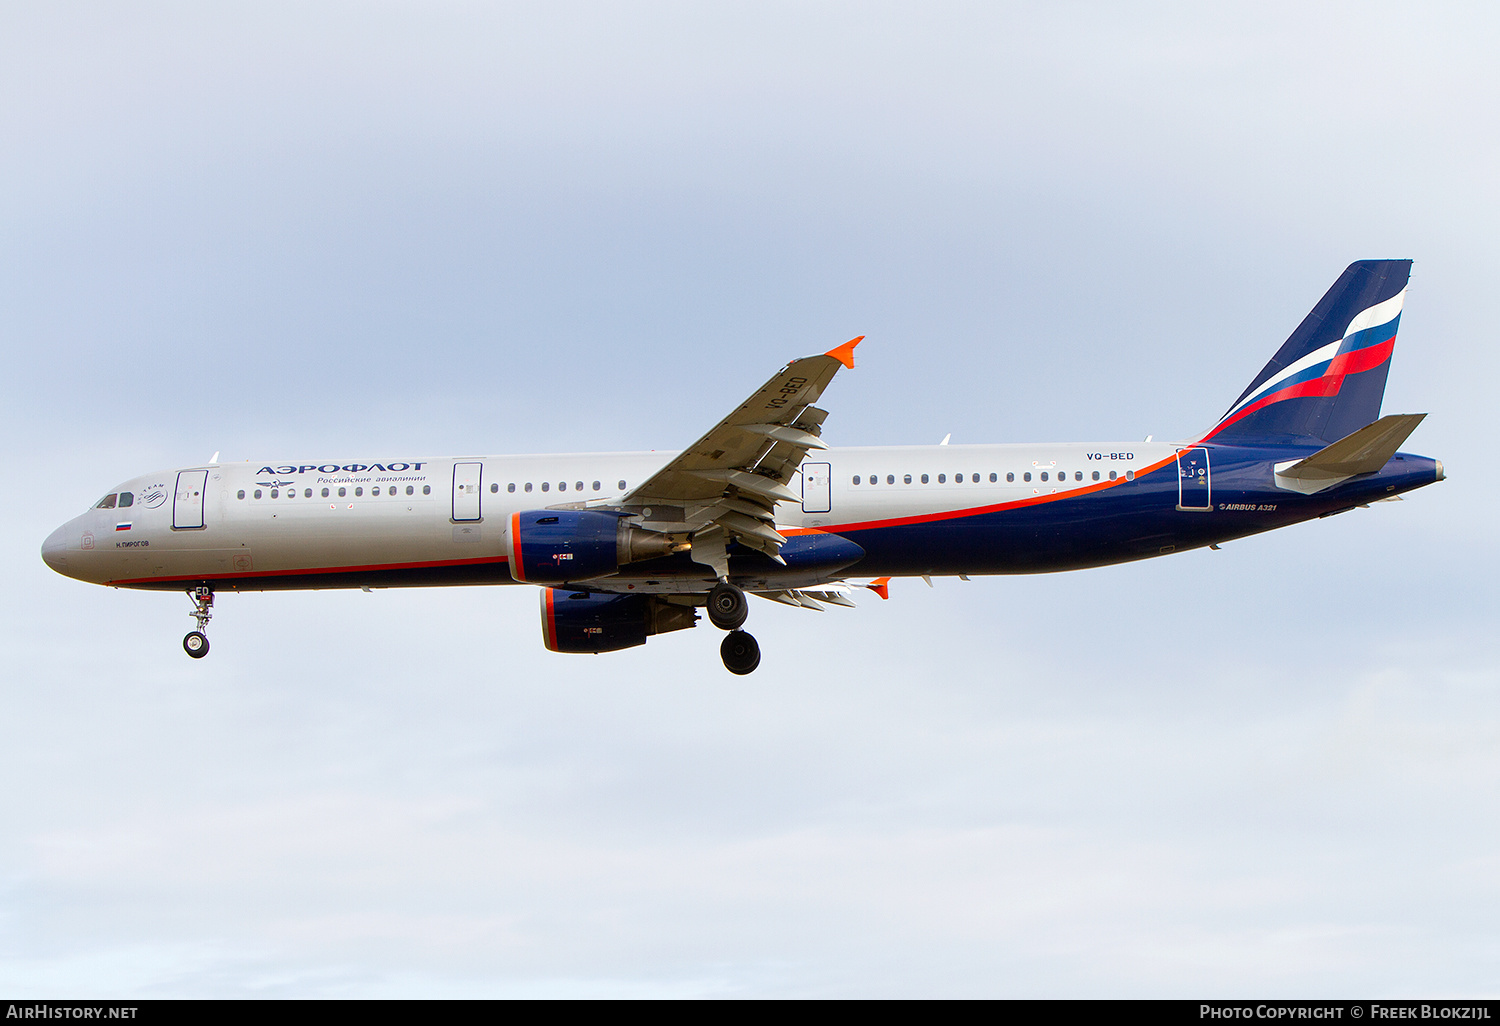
(1328, 379)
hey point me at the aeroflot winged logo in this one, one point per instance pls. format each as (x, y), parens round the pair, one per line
(335, 468)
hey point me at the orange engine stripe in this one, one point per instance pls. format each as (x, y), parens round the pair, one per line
(517, 568)
(549, 619)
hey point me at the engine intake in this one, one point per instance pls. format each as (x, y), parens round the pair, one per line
(580, 621)
(556, 546)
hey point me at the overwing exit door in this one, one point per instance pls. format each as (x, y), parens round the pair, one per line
(466, 491)
(817, 487)
(1194, 485)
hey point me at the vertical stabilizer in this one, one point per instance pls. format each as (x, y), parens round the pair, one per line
(1328, 379)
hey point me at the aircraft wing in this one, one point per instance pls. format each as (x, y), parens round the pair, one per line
(726, 484)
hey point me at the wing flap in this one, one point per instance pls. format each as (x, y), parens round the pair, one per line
(734, 476)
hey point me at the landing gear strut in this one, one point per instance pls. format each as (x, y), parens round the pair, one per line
(727, 610)
(195, 643)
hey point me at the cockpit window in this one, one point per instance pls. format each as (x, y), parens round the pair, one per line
(108, 502)
(127, 499)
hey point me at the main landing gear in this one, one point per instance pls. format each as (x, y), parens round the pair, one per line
(195, 643)
(740, 652)
(727, 610)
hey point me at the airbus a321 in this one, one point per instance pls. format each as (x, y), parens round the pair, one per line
(627, 545)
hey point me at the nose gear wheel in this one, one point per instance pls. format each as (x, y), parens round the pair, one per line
(195, 643)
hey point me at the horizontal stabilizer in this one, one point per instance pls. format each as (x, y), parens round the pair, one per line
(1363, 452)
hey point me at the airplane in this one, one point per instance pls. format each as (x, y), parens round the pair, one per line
(627, 545)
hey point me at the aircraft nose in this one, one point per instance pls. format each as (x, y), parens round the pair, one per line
(55, 550)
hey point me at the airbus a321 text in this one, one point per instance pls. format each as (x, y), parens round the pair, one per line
(626, 545)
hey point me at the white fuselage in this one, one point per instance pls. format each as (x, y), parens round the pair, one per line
(264, 521)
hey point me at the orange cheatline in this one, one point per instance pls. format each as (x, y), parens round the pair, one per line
(844, 354)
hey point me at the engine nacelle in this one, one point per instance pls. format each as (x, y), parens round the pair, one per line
(579, 621)
(555, 546)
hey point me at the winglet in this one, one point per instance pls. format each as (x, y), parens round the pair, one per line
(844, 354)
(880, 585)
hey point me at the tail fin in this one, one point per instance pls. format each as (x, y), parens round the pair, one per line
(1328, 379)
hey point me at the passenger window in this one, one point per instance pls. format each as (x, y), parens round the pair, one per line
(942, 479)
(975, 478)
(578, 486)
(240, 494)
(890, 479)
(874, 478)
(427, 489)
(509, 488)
(108, 502)
(1044, 475)
(307, 493)
(1026, 476)
(1111, 475)
(257, 493)
(596, 486)
(908, 479)
(994, 478)
(357, 491)
(410, 489)
(325, 493)
(343, 492)
(528, 486)
(1078, 475)
(924, 478)
(622, 486)
(1096, 475)
(562, 486)
(1010, 476)
(546, 486)
(494, 488)
(856, 479)
(275, 493)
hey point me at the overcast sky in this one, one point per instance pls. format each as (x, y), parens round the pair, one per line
(308, 231)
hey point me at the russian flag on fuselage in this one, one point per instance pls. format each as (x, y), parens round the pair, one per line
(1328, 379)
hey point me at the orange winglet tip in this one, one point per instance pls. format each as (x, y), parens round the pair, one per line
(844, 354)
(880, 585)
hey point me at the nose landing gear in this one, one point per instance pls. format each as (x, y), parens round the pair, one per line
(195, 643)
(727, 610)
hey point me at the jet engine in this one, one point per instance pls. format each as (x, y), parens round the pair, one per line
(555, 546)
(580, 621)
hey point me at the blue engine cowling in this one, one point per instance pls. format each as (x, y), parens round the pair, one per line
(580, 621)
(557, 546)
